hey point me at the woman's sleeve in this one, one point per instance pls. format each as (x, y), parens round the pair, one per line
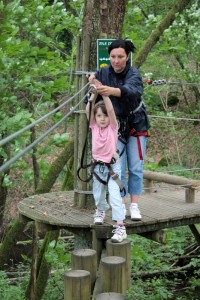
(133, 86)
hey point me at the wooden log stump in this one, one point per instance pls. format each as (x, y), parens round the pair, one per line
(122, 249)
(110, 296)
(159, 236)
(148, 185)
(77, 285)
(189, 195)
(114, 274)
(85, 259)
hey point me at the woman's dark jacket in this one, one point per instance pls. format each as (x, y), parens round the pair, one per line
(130, 83)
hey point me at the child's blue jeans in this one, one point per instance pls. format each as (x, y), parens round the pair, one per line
(99, 191)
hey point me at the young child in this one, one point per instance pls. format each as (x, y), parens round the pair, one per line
(104, 126)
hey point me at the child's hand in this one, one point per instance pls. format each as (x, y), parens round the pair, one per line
(95, 82)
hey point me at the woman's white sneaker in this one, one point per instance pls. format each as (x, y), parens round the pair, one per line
(135, 213)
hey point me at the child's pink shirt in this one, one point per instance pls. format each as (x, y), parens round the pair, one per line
(104, 142)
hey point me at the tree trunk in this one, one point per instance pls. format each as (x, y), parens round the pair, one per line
(3, 187)
(141, 56)
(43, 268)
(9, 242)
(56, 167)
(45, 186)
(36, 171)
(102, 19)
(68, 183)
(194, 89)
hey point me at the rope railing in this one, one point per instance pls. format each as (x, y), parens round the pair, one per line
(175, 118)
(29, 147)
(15, 134)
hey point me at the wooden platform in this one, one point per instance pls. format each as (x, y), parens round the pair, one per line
(163, 208)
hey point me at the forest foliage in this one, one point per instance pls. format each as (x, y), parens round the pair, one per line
(38, 52)
(38, 73)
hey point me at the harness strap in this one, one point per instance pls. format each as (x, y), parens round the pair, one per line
(93, 97)
(93, 164)
(137, 134)
(111, 174)
(123, 142)
(139, 148)
(84, 167)
(115, 177)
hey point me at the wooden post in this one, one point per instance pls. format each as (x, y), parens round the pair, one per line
(85, 259)
(110, 296)
(114, 274)
(98, 284)
(148, 184)
(77, 285)
(159, 236)
(122, 249)
(97, 245)
(196, 232)
(189, 195)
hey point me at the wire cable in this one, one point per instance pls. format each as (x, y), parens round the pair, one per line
(173, 171)
(29, 147)
(15, 134)
(175, 118)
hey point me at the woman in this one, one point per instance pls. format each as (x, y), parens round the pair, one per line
(123, 84)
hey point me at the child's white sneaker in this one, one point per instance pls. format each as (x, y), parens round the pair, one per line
(119, 234)
(99, 217)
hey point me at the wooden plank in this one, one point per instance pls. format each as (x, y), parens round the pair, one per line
(164, 209)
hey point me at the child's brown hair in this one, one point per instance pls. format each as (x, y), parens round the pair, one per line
(100, 104)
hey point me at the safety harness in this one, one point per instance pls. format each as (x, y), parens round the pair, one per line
(93, 96)
(124, 136)
(111, 173)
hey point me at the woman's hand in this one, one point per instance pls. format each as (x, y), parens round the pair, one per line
(105, 90)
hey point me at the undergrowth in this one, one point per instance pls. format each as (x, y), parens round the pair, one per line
(158, 273)
(152, 276)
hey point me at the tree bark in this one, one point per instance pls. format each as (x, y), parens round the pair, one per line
(56, 167)
(141, 56)
(36, 170)
(9, 242)
(68, 183)
(43, 267)
(3, 187)
(16, 228)
(101, 19)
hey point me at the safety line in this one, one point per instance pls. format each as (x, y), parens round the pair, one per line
(166, 117)
(151, 83)
(15, 134)
(192, 169)
(29, 147)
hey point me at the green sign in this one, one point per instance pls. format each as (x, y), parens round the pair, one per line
(102, 52)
